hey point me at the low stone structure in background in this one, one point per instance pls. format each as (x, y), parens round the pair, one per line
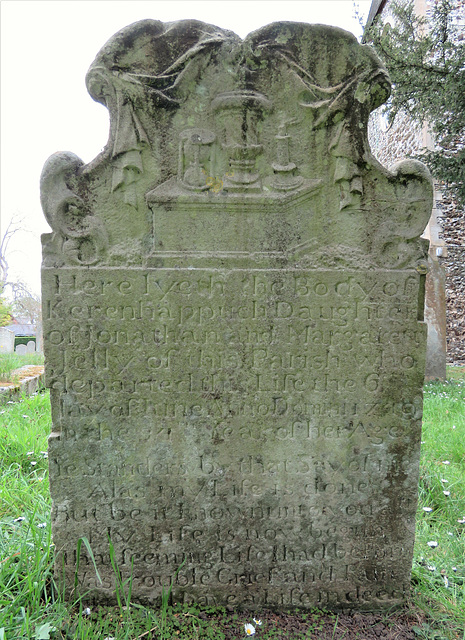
(25, 334)
(7, 340)
(233, 302)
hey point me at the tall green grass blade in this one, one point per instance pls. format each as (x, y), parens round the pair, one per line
(84, 541)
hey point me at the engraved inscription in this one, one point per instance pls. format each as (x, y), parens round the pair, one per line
(170, 442)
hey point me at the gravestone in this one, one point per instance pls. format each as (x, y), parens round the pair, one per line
(233, 301)
(435, 317)
(31, 346)
(21, 349)
(7, 340)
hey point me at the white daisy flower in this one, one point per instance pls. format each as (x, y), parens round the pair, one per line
(86, 612)
(249, 629)
(427, 509)
(446, 493)
(432, 544)
(257, 622)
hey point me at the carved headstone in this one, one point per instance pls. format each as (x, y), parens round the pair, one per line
(232, 300)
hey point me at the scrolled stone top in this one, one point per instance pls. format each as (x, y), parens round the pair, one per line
(262, 141)
(155, 54)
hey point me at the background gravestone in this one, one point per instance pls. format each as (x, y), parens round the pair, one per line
(233, 325)
(7, 340)
(31, 346)
(21, 349)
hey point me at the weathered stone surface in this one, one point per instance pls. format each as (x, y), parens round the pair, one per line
(233, 324)
(435, 317)
(390, 144)
(31, 346)
(7, 340)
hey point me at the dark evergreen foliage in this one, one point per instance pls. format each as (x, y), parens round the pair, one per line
(425, 58)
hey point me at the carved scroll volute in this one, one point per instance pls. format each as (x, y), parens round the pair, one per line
(405, 215)
(78, 237)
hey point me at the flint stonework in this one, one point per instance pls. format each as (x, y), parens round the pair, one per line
(233, 300)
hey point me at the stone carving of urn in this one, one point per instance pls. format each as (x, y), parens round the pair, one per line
(239, 112)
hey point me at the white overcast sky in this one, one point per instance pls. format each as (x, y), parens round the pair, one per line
(46, 49)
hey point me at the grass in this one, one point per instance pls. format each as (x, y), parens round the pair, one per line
(439, 570)
(32, 607)
(9, 362)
